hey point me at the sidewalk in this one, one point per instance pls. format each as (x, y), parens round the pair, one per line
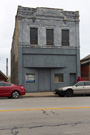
(40, 94)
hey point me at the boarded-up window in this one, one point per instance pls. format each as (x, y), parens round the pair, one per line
(33, 35)
(58, 78)
(49, 37)
(65, 37)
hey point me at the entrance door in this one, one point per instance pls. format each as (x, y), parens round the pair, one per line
(72, 78)
(44, 79)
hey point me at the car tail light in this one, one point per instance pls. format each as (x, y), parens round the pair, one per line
(22, 88)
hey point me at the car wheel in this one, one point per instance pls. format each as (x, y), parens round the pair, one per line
(69, 93)
(15, 94)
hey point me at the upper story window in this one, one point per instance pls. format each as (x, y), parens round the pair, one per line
(65, 37)
(33, 36)
(49, 37)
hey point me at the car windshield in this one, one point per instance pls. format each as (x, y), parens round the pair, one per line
(79, 84)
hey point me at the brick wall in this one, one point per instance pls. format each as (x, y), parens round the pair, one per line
(85, 72)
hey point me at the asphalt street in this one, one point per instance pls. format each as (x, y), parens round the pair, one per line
(43, 115)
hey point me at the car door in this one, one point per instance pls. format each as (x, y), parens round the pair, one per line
(7, 89)
(87, 87)
(79, 88)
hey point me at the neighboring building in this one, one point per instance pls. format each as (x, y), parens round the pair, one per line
(45, 51)
(85, 68)
(3, 77)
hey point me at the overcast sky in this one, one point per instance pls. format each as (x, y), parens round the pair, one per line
(8, 9)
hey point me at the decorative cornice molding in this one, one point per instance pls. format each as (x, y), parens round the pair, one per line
(49, 13)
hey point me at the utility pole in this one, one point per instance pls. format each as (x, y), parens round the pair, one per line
(7, 67)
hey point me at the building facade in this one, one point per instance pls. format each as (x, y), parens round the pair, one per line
(45, 52)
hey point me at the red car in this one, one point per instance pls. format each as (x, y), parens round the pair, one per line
(11, 90)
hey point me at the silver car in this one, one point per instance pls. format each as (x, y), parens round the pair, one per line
(80, 88)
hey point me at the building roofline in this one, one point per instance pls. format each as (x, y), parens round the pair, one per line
(86, 58)
(3, 74)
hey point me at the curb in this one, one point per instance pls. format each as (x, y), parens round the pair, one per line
(40, 94)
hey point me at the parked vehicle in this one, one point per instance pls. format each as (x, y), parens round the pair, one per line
(80, 88)
(11, 90)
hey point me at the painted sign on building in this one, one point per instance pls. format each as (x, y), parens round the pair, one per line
(30, 78)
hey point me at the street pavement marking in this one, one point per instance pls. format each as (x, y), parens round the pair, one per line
(35, 109)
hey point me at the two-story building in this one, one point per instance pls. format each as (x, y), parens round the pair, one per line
(45, 52)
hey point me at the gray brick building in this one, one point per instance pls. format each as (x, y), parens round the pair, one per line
(45, 52)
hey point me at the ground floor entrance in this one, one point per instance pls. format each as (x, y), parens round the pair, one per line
(47, 79)
(44, 79)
